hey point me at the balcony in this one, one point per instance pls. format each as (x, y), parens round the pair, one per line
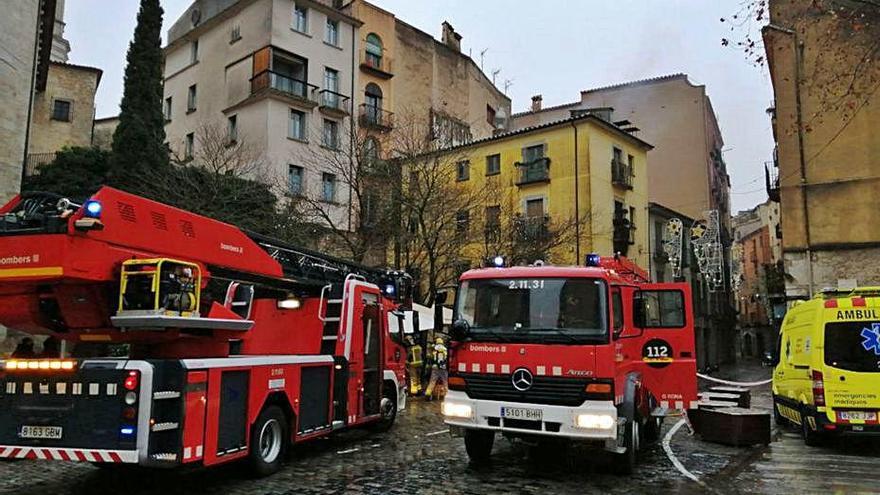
(376, 118)
(535, 171)
(296, 89)
(333, 103)
(35, 160)
(621, 174)
(377, 66)
(530, 229)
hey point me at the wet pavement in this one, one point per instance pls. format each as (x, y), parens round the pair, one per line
(418, 456)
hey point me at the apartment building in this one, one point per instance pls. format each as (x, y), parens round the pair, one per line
(278, 74)
(408, 78)
(582, 177)
(825, 119)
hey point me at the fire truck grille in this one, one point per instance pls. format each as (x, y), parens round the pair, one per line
(545, 389)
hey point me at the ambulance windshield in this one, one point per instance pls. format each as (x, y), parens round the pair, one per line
(853, 346)
(564, 310)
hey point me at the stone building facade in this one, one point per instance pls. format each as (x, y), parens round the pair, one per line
(102, 132)
(409, 77)
(825, 172)
(63, 114)
(24, 60)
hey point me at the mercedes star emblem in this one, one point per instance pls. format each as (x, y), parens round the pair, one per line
(522, 379)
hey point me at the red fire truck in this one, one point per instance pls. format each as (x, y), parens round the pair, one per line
(595, 354)
(229, 345)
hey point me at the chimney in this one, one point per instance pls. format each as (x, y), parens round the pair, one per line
(536, 103)
(450, 37)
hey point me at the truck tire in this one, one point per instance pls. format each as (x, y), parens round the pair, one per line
(388, 408)
(269, 440)
(478, 444)
(625, 463)
(811, 438)
(778, 418)
(652, 429)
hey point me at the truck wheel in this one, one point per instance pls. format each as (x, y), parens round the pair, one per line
(625, 463)
(388, 409)
(268, 441)
(478, 444)
(811, 438)
(652, 429)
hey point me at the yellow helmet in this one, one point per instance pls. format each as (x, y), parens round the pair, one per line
(439, 340)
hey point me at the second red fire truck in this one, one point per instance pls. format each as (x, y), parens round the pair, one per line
(595, 354)
(190, 341)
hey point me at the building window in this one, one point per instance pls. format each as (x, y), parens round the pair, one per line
(331, 34)
(535, 208)
(191, 99)
(235, 34)
(490, 115)
(462, 222)
(295, 180)
(61, 110)
(296, 126)
(194, 52)
(631, 161)
(331, 134)
(232, 129)
(463, 171)
(166, 110)
(189, 145)
(493, 223)
(328, 184)
(493, 164)
(331, 85)
(373, 56)
(533, 153)
(373, 104)
(301, 19)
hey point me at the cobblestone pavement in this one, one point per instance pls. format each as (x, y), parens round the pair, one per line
(418, 456)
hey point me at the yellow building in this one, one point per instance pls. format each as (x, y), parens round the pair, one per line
(825, 119)
(555, 192)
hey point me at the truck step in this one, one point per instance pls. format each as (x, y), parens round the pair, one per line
(164, 426)
(331, 319)
(334, 301)
(166, 394)
(169, 456)
(329, 337)
(338, 424)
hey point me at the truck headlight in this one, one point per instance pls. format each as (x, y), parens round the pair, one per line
(454, 410)
(595, 421)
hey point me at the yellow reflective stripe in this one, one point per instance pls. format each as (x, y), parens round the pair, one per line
(31, 272)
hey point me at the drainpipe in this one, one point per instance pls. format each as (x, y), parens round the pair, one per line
(798, 67)
(577, 210)
(351, 134)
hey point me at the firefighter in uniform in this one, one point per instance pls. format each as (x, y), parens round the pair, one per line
(439, 371)
(414, 366)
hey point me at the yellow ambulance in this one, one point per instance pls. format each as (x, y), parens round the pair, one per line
(827, 378)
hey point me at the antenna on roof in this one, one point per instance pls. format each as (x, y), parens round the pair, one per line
(482, 55)
(507, 84)
(495, 74)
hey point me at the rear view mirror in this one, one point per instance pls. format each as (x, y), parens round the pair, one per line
(460, 329)
(638, 311)
(440, 297)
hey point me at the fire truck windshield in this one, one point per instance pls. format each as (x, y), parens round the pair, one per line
(563, 310)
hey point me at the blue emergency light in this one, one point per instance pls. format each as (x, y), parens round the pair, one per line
(593, 259)
(498, 261)
(127, 430)
(390, 289)
(93, 208)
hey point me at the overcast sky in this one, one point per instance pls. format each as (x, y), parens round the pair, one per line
(553, 47)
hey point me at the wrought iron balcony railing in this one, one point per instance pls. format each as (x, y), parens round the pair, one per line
(533, 171)
(284, 84)
(621, 173)
(376, 117)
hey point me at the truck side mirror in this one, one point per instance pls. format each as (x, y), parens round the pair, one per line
(440, 297)
(460, 329)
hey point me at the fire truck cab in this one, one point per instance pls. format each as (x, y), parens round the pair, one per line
(593, 354)
(189, 341)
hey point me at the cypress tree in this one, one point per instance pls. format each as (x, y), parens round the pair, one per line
(139, 140)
